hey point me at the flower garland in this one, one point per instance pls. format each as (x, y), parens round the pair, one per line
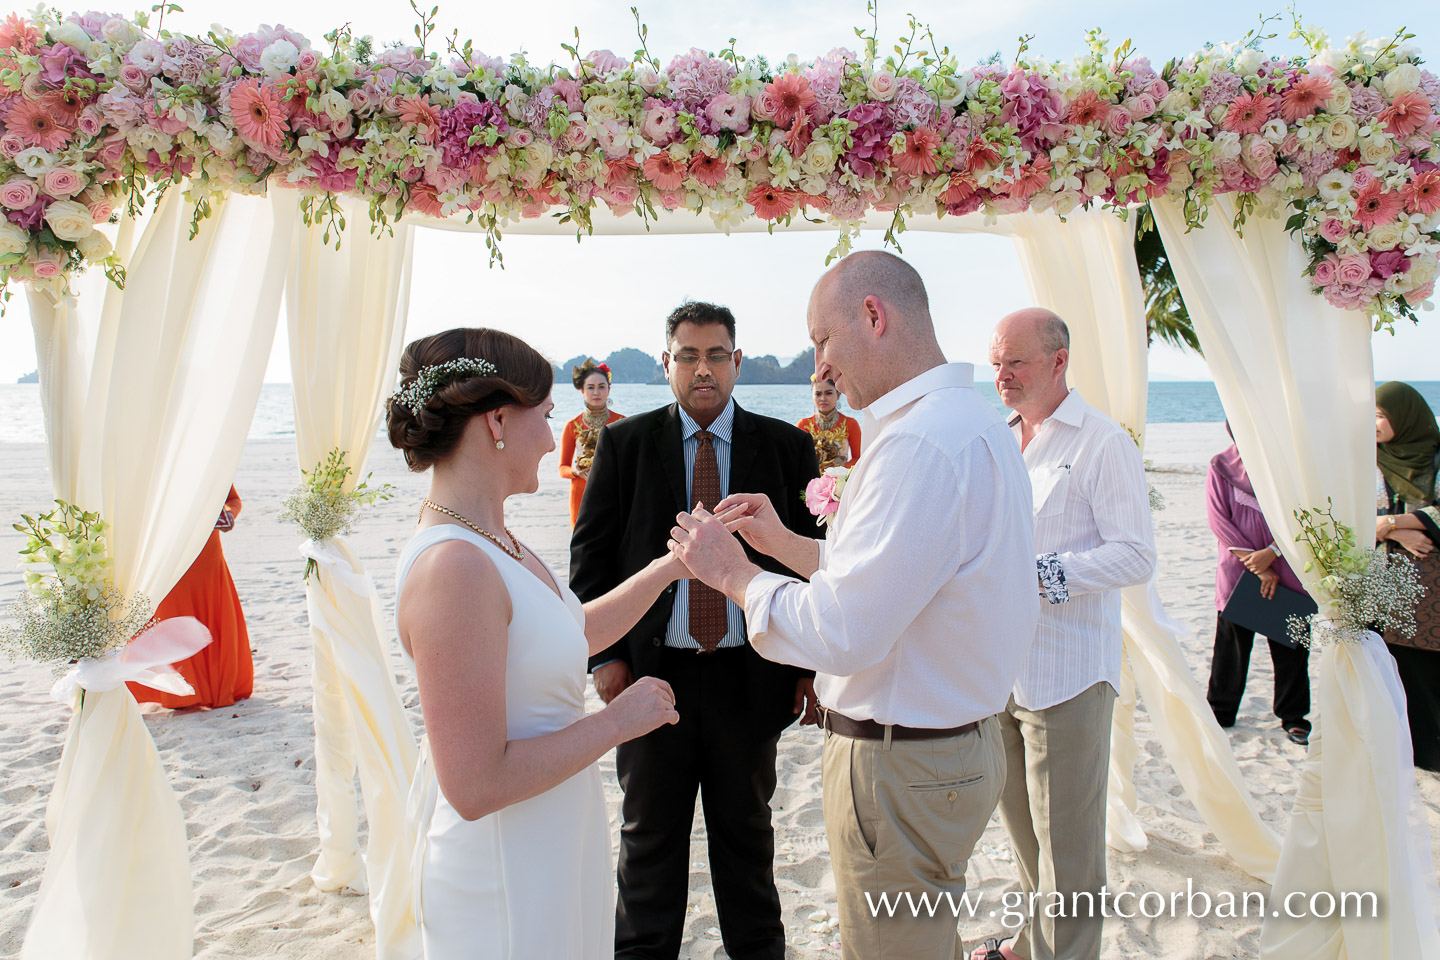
(1364, 590)
(71, 609)
(99, 110)
(321, 506)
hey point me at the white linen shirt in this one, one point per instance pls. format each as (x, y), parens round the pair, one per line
(924, 602)
(1092, 507)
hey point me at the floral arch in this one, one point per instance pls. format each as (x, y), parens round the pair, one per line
(1316, 181)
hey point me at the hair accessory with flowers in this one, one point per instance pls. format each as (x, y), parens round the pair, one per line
(418, 392)
(604, 368)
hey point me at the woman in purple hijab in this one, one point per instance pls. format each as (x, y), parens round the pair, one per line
(1245, 542)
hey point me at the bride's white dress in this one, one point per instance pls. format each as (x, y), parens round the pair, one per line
(532, 881)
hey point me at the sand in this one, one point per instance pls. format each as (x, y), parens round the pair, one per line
(245, 774)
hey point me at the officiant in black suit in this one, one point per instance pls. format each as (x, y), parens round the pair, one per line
(733, 704)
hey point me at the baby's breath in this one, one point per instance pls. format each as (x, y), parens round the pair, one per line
(321, 506)
(1368, 589)
(71, 609)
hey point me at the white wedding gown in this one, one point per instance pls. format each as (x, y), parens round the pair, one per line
(532, 881)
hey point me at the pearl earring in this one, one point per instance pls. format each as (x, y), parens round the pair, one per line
(499, 444)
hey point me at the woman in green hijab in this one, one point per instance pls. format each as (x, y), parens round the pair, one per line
(1407, 454)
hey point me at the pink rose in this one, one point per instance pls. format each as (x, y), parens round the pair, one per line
(307, 60)
(820, 496)
(1362, 178)
(658, 125)
(1117, 123)
(1258, 157)
(1158, 89)
(62, 182)
(89, 123)
(362, 100)
(101, 210)
(1325, 270)
(1333, 230)
(133, 77)
(47, 264)
(1141, 105)
(729, 112)
(1353, 270)
(576, 136)
(520, 137)
(18, 193)
(11, 144)
(1420, 294)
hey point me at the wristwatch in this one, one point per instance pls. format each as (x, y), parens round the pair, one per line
(1390, 520)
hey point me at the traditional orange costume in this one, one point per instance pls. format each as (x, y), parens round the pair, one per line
(837, 445)
(579, 432)
(223, 672)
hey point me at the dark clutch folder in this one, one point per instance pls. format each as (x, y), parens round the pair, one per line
(1246, 608)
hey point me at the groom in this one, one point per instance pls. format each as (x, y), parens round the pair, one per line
(732, 703)
(920, 606)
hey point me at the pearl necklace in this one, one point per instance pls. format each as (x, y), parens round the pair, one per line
(518, 552)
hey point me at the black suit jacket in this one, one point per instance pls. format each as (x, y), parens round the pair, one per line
(637, 486)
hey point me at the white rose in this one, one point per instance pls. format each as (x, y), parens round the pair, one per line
(538, 156)
(335, 105)
(1385, 237)
(949, 90)
(279, 57)
(1096, 182)
(13, 239)
(600, 109)
(882, 85)
(1065, 201)
(69, 220)
(118, 31)
(1227, 145)
(1340, 132)
(1042, 201)
(1375, 149)
(94, 246)
(71, 34)
(818, 159)
(1423, 270)
(1340, 98)
(1330, 57)
(1180, 177)
(813, 185)
(1248, 61)
(1401, 79)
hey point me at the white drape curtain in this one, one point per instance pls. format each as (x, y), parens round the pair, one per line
(148, 394)
(347, 310)
(1295, 376)
(1084, 269)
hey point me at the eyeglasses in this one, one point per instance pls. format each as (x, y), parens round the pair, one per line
(714, 359)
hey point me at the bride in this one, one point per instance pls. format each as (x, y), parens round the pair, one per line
(513, 853)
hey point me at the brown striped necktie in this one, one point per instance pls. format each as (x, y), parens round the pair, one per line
(708, 623)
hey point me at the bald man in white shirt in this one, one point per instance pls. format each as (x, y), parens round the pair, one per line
(1092, 537)
(918, 612)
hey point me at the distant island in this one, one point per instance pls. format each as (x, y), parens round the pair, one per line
(32, 377)
(629, 365)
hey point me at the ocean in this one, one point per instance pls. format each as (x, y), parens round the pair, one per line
(1169, 402)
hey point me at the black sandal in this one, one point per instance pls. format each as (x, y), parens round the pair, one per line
(992, 948)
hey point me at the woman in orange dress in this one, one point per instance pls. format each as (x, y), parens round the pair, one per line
(223, 672)
(837, 437)
(593, 381)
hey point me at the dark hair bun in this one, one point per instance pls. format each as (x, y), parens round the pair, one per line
(578, 375)
(522, 376)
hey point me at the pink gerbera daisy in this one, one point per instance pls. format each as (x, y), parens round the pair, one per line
(1375, 207)
(1248, 113)
(36, 126)
(962, 187)
(1310, 93)
(417, 110)
(19, 35)
(708, 170)
(1088, 109)
(260, 117)
(771, 203)
(664, 172)
(65, 105)
(424, 200)
(919, 158)
(1422, 195)
(790, 96)
(1406, 114)
(983, 155)
(1032, 179)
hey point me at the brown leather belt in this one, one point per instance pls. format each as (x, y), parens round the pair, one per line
(870, 730)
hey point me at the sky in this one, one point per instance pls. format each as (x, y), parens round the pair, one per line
(610, 292)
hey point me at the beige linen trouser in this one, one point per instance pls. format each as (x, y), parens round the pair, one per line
(902, 818)
(1053, 806)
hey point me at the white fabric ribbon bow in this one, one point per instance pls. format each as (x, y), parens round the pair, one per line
(146, 660)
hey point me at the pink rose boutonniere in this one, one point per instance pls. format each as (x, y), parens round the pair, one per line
(822, 495)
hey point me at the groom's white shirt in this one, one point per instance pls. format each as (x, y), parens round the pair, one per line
(924, 603)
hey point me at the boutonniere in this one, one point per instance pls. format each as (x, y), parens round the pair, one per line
(822, 495)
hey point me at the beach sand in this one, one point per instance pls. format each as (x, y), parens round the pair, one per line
(245, 774)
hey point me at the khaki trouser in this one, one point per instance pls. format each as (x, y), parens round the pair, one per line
(902, 818)
(1053, 806)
